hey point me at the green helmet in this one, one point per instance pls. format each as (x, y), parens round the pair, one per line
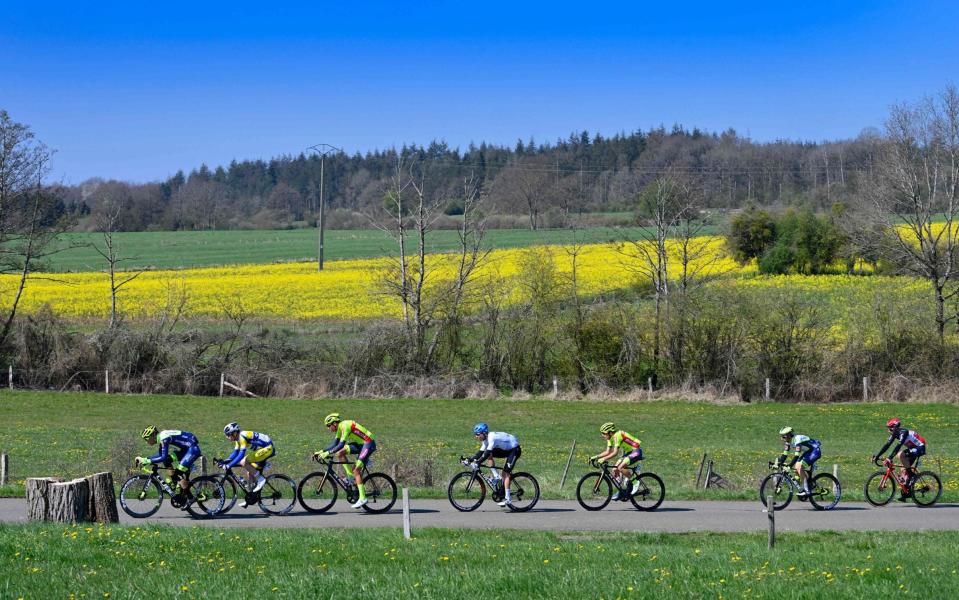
(332, 418)
(607, 428)
(149, 432)
(786, 431)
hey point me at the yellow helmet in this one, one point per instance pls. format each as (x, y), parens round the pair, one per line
(149, 432)
(331, 419)
(786, 431)
(607, 428)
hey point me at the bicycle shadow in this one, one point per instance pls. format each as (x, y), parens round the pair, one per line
(547, 510)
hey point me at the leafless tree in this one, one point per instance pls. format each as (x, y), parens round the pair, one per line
(524, 184)
(914, 197)
(108, 220)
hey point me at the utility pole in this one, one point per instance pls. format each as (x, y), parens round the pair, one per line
(323, 150)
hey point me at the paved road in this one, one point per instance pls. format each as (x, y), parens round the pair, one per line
(564, 515)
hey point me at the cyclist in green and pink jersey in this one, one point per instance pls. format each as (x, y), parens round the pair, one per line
(626, 466)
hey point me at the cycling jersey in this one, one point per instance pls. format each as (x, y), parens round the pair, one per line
(498, 442)
(248, 439)
(183, 444)
(626, 441)
(804, 448)
(908, 438)
(350, 432)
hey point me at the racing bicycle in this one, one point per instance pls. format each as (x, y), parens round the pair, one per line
(782, 484)
(317, 491)
(277, 497)
(467, 489)
(142, 494)
(595, 489)
(924, 487)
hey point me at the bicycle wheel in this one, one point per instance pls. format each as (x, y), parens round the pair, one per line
(879, 489)
(466, 491)
(380, 492)
(278, 494)
(776, 485)
(317, 492)
(926, 488)
(140, 496)
(594, 491)
(651, 492)
(229, 494)
(208, 498)
(826, 491)
(524, 492)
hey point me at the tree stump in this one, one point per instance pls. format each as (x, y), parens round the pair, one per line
(38, 507)
(68, 501)
(102, 502)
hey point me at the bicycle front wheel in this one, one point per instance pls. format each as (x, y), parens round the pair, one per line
(466, 491)
(278, 495)
(317, 492)
(229, 494)
(208, 498)
(926, 488)
(140, 496)
(650, 494)
(879, 489)
(594, 491)
(524, 492)
(777, 486)
(380, 492)
(826, 491)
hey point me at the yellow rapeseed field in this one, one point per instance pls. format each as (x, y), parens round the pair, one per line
(349, 289)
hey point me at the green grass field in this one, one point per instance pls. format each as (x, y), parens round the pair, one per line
(72, 434)
(181, 249)
(124, 562)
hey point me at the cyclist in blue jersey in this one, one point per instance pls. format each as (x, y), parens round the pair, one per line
(805, 450)
(178, 450)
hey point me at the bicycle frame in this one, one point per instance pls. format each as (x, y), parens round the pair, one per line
(487, 480)
(891, 473)
(331, 473)
(607, 472)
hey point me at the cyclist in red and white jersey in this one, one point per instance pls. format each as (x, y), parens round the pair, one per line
(915, 446)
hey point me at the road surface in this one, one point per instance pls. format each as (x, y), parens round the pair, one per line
(566, 515)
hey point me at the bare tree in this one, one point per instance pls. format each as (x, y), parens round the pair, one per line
(914, 197)
(108, 221)
(524, 184)
(28, 225)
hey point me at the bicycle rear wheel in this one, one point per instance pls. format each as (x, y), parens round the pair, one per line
(466, 491)
(208, 498)
(317, 492)
(278, 495)
(776, 485)
(879, 489)
(926, 488)
(229, 494)
(380, 492)
(651, 492)
(826, 491)
(140, 496)
(524, 492)
(594, 491)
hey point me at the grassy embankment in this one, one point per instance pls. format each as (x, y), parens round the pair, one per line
(71, 434)
(181, 249)
(118, 562)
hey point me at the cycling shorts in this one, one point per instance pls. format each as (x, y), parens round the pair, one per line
(631, 459)
(184, 463)
(916, 452)
(363, 452)
(511, 457)
(260, 455)
(810, 457)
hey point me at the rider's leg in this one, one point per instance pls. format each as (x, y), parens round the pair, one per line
(803, 476)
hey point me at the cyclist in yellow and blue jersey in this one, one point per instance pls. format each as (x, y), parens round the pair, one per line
(178, 450)
(351, 437)
(627, 466)
(251, 450)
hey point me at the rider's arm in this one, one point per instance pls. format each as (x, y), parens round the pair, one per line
(163, 454)
(486, 449)
(895, 450)
(885, 446)
(235, 457)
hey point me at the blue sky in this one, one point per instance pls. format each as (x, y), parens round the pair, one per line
(137, 92)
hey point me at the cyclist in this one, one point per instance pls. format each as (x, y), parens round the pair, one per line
(351, 437)
(497, 444)
(251, 450)
(178, 451)
(915, 446)
(627, 466)
(806, 451)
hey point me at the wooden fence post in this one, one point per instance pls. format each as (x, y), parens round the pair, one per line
(4, 469)
(709, 474)
(356, 384)
(10, 376)
(649, 387)
(699, 475)
(407, 526)
(835, 473)
(771, 512)
(203, 464)
(865, 389)
(555, 386)
(107, 378)
(222, 381)
(768, 390)
(568, 462)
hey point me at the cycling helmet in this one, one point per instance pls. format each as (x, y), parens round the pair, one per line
(231, 428)
(893, 423)
(607, 428)
(332, 418)
(480, 428)
(786, 431)
(149, 432)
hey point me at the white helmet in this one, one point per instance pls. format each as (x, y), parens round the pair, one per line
(231, 428)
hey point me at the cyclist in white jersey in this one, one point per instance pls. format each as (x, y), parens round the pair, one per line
(497, 444)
